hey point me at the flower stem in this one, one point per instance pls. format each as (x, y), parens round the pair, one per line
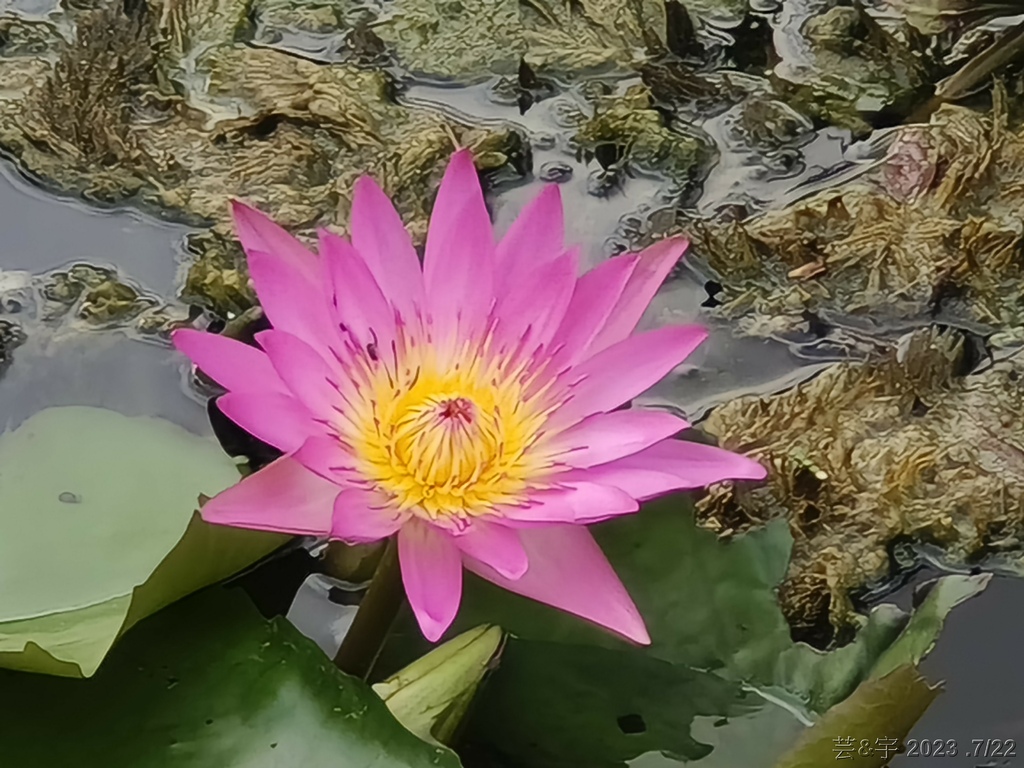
(374, 618)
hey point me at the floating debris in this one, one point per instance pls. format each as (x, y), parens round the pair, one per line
(903, 447)
(932, 231)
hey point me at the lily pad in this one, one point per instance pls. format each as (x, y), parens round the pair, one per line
(708, 604)
(99, 530)
(712, 604)
(207, 684)
(559, 705)
(721, 649)
(942, 596)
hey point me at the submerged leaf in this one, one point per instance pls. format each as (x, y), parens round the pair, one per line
(98, 531)
(206, 684)
(872, 722)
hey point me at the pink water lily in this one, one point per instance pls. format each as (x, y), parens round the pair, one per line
(470, 404)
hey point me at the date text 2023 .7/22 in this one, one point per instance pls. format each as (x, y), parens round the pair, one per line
(846, 748)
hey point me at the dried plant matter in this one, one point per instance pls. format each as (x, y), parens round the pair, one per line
(932, 230)
(864, 455)
(85, 105)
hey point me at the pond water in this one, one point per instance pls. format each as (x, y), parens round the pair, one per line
(978, 660)
(63, 361)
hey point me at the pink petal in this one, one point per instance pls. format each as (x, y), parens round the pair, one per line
(258, 232)
(306, 374)
(432, 574)
(641, 484)
(605, 437)
(530, 312)
(496, 545)
(537, 235)
(623, 371)
(235, 366)
(359, 302)
(578, 501)
(570, 572)
(593, 299)
(283, 497)
(292, 303)
(327, 457)
(458, 262)
(651, 270)
(280, 420)
(385, 245)
(362, 516)
(694, 464)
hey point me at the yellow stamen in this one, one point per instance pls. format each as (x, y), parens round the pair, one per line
(447, 439)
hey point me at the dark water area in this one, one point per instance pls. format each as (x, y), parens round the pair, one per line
(978, 660)
(42, 231)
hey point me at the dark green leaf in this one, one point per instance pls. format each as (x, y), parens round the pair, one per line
(206, 683)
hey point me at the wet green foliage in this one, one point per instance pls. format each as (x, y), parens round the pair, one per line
(207, 683)
(565, 691)
(92, 543)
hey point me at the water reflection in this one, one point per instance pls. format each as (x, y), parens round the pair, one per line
(43, 231)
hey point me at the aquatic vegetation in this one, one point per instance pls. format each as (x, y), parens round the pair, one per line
(213, 676)
(478, 423)
(848, 67)
(70, 586)
(841, 210)
(902, 448)
(125, 126)
(632, 131)
(930, 231)
(11, 336)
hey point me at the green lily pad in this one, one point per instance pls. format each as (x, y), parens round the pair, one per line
(711, 604)
(567, 693)
(863, 731)
(708, 604)
(208, 683)
(98, 530)
(916, 641)
(556, 705)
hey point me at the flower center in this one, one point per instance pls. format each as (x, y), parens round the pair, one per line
(446, 441)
